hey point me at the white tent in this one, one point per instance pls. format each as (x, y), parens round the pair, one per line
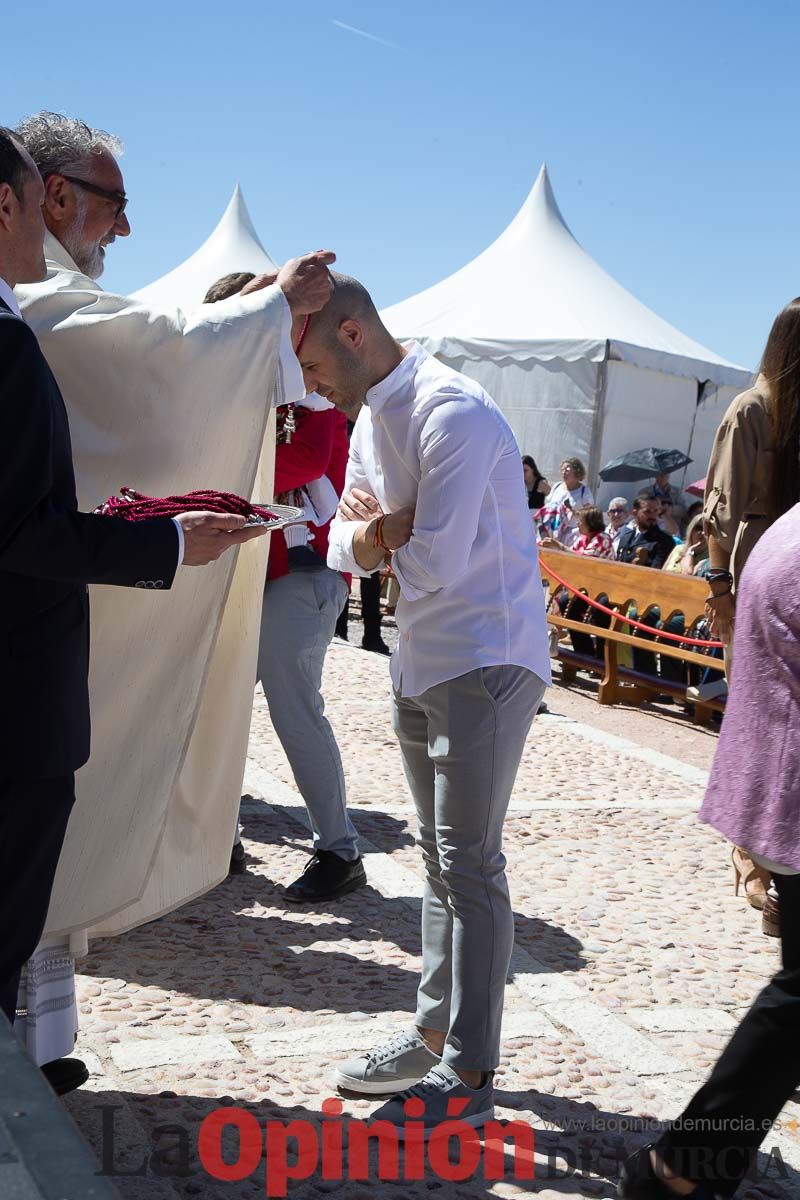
(233, 246)
(578, 365)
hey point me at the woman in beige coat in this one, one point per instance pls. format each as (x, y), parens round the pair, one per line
(753, 478)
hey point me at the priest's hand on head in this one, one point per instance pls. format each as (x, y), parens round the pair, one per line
(358, 505)
(207, 535)
(306, 282)
(259, 282)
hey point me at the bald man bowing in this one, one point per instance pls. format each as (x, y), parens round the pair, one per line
(434, 486)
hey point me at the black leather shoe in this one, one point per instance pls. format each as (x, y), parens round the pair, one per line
(238, 865)
(376, 645)
(638, 1181)
(326, 877)
(65, 1074)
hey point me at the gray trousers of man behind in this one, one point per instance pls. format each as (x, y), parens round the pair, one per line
(461, 743)
(298, 619)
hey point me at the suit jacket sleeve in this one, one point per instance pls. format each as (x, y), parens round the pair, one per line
(661, 551)
(42, 535)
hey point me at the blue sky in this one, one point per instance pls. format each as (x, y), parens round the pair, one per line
(670, 133)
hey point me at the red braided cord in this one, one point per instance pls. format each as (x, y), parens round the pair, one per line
(303, 333)
(660, 633)
(130, 505)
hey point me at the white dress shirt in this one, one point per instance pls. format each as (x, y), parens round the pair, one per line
(10, 299)
(471, 592)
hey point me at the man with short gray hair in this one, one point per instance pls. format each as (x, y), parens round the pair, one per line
(619, 518)
(165, 401)
(79, 167)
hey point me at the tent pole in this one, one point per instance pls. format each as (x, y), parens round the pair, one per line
(600, 390)
(702, 391)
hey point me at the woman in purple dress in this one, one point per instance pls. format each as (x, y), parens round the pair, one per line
(753, 798)
(753, 478)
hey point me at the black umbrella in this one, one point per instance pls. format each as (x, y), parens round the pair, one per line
(643, 464)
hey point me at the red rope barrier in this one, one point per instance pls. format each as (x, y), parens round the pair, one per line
(672, 637)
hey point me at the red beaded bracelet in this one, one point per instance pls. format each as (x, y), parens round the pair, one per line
(377, 540)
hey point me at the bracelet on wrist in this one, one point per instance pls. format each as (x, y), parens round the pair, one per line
(377, 538)
(720, 575)
(718, 595)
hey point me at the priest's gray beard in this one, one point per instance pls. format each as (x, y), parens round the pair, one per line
(89, 257)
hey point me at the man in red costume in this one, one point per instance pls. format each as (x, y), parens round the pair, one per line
(303, 598)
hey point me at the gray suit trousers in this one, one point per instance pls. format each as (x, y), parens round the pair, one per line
(461, 743)
(298, 618)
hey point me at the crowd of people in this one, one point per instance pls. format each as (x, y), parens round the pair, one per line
(429, 484)
(645, 531)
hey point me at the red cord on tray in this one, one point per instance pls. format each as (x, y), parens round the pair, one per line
(133, 506)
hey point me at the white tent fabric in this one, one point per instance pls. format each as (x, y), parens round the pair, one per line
(553, 338)
(233, 246)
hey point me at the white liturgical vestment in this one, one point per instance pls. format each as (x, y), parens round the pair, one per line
(165, 402)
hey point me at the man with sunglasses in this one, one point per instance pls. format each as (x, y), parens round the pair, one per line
(163, 401)
(618, 519)
(87, 215)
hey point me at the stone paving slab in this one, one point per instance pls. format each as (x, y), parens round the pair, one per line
(680, 1018)
(633, 961)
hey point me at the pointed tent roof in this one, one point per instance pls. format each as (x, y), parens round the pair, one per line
(233, 246)
(536, 293)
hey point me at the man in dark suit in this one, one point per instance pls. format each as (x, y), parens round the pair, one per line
(49, 552)
(644, 544)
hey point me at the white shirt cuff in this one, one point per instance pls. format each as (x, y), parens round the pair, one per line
(181, 540)
(340, 549)
(289, 385)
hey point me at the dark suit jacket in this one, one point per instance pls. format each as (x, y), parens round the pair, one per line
(659, 544)
(49, 552)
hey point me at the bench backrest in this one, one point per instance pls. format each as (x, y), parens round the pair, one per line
(624, 583)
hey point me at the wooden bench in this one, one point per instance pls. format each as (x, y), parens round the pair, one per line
(618, 586)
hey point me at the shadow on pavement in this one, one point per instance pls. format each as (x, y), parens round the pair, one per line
(147, 1144)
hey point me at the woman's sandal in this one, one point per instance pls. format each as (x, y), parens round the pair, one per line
(756, 879)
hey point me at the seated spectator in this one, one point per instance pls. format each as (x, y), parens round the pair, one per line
(593, 541)
(618, 518)
(644, 544)
(565, 499)
(691, 556)
(536, 485)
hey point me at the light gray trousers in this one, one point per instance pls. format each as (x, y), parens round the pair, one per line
(461, 743)
(298, 620)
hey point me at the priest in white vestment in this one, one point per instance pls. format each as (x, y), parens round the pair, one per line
(164, 402)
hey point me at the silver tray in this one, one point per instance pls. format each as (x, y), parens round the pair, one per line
(285, 514)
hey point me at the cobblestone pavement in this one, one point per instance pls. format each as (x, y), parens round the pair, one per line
(633, 963)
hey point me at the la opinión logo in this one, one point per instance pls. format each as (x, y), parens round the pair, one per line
(339, 1149)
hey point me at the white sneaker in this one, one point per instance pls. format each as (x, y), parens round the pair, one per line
(393, 1067)
(717, 690)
